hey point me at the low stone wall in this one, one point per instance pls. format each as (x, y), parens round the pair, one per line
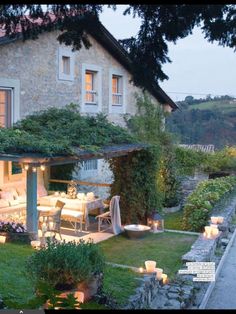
(152, 294)
(203, 249)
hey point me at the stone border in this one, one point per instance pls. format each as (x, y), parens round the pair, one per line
(183, 232)
(212, 284)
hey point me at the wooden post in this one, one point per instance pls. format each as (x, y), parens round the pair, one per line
(31, 206)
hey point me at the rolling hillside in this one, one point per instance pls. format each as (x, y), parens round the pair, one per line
(206, 122)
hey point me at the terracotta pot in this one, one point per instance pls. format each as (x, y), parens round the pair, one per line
(90, 287)
(85, 290)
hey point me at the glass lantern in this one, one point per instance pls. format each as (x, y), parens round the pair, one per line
(72, 190)
(156, 222)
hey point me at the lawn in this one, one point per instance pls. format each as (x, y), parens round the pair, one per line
(173, 220)
(165, 248)
(15, 287)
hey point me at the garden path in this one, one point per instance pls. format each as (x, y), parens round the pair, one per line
(223, 294)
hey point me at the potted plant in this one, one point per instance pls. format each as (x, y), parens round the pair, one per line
(14, 232)
(68, 267)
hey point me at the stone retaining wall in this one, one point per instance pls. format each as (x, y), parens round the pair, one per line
(152, 294)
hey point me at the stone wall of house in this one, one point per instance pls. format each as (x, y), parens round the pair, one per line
(35, 64)
(189, 183)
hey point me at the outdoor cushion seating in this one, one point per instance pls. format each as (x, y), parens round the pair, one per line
(13, 198)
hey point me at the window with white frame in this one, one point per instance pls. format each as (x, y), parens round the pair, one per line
(91, 164)
(90, 92)
(117, 90)
(5, 107)
(66, 64)
(91, 88)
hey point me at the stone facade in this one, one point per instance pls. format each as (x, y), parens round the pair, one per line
(31, 69)
(35, 65)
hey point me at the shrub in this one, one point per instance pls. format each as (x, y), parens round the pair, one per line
(65, 265)
(200, 203)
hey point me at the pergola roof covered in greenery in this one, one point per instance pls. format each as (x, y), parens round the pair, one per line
(58, 136)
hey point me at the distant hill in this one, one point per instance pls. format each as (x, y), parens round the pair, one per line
(211, 121)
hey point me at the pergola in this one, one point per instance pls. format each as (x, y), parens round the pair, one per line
(36, 160)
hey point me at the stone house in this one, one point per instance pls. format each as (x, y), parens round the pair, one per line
(38, 74)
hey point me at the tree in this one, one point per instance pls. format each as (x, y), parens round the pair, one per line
(148, 51)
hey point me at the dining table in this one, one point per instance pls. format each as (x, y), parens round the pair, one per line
(83, 205)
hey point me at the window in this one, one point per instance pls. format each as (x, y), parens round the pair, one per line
(91, 88)
(66, 64)
(116, 90)
(90, 94)
(91, 164)
(5, 108)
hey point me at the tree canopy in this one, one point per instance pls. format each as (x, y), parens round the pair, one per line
(160, 24)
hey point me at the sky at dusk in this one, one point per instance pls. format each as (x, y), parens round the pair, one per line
(198, 67)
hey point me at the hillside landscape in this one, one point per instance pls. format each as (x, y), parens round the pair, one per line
(204, 121)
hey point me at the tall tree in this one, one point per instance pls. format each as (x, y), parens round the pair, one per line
(160, 24)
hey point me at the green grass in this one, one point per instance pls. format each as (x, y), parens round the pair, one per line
(173, 220)
(165, 248)
(13, 283)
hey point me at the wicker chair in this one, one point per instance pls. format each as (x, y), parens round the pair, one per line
(53, 218)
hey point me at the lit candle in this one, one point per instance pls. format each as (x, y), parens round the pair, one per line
(42, 167)
(2, 239)
(214, 220)
(220, 219)
(155, 226)
(35, 244)
(215, 232)
(164, 279)
(208, 231)
(159, 272)
(150, 266)
(79, 295)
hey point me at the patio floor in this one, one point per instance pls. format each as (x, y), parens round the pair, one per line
(68, 233)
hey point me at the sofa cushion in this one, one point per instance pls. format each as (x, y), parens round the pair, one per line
(3, 203)
(14, 202)
(6, 195)
(21, 190)
(21, 199)
(11, 190)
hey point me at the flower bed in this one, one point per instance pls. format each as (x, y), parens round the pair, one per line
(14, 232)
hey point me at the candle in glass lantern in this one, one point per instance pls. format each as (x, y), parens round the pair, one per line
(2, 239)
(164, 279)
(220, 219)
(150, 266)
(208, 231)
(159, 272)
(35, 244)
(214, 220)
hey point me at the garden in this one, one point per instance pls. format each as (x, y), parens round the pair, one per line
(147, 181)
